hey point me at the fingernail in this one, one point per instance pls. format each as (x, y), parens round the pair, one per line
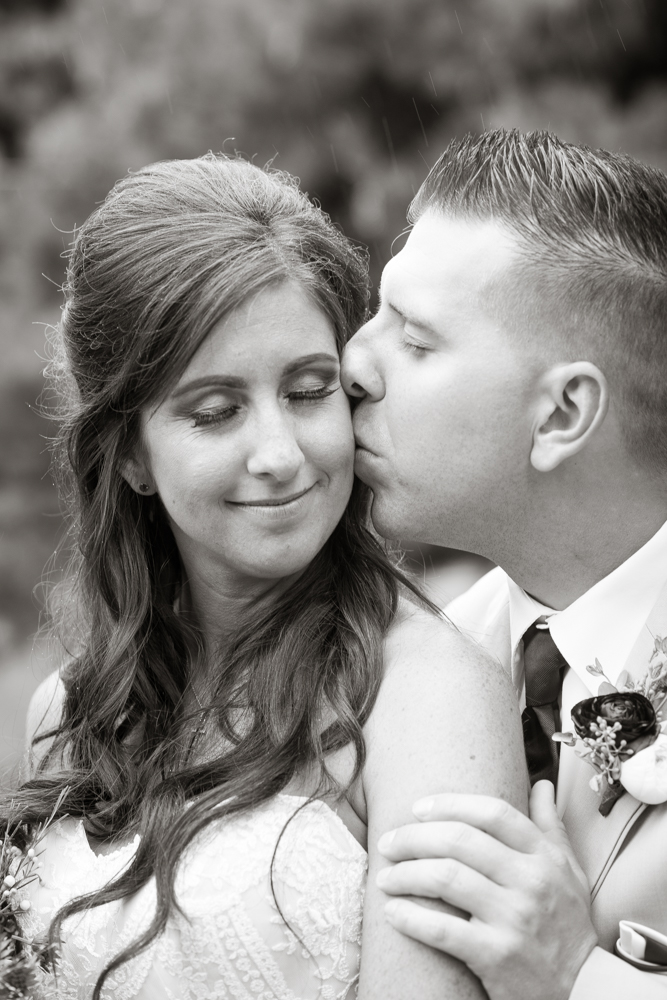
(384, 843)
(391, 907)
(422, 808)
(381, 877)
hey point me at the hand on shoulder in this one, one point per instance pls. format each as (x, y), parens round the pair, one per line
(530, 931)
(445, 720)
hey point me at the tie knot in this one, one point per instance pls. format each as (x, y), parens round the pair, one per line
(543, 665)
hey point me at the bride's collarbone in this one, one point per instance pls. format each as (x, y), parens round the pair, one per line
(350, 804)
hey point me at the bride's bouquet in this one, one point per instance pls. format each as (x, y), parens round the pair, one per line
(21, 958)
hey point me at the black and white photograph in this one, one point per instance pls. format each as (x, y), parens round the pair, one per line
(333, 500)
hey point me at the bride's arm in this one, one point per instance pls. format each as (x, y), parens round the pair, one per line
(446, 719)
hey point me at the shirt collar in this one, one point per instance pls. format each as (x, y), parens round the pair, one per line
(605, 621)
(524, 610)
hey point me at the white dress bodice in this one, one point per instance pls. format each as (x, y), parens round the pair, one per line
(231, 940)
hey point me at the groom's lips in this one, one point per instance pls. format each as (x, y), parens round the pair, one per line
(363, 447)
(367, 464)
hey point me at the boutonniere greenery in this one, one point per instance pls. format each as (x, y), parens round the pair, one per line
(620, 732)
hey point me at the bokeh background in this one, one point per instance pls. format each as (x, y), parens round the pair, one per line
(355, 97)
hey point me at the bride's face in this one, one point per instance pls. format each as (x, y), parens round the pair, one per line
(252, 451)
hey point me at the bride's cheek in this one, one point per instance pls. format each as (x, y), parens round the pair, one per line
(340, 458)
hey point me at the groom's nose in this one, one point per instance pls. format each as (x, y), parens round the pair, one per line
(360, 374)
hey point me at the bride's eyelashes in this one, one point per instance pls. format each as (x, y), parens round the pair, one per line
(305, 395)
(211, 418)
(221, 415)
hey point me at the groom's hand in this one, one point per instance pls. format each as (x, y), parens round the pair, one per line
(530, 930)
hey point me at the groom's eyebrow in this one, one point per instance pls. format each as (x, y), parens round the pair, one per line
(408, 316)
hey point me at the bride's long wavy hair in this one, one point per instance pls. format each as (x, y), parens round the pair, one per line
(172, 249)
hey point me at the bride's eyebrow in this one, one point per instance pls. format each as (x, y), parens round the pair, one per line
(221, 381)
(320, 357)
(237, 382)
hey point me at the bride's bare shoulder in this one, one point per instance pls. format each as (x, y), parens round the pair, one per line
(420, 640)
(45, 710)
(445, 719)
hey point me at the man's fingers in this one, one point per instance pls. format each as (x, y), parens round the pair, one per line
(543, 807)
(459, 841)
(443, 931)
(493, 816)
(544, 816)
(448, 880)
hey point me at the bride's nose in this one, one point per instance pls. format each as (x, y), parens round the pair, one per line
(360, 374)
(276, 451)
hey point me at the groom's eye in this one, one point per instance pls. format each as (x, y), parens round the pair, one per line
(415, 348)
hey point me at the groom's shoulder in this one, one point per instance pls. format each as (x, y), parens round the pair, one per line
(482, 605)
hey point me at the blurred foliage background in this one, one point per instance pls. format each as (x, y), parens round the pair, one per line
(356, 97)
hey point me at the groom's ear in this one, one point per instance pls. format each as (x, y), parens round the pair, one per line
(572, 403)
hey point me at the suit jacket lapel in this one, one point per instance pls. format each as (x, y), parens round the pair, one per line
(596, 839)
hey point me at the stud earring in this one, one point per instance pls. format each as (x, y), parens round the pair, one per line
(144, 487)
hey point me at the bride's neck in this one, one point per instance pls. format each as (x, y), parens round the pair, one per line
(218, 608)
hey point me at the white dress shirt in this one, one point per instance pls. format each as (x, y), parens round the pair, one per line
(608, 623)
(602, 624)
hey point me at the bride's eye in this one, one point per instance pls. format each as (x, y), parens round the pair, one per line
(304, 395)
(311, 386)
(212, 418)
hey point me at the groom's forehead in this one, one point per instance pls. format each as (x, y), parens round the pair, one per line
(451, 242)
(446, 260)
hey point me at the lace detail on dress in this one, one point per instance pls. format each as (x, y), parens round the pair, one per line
(233, 941)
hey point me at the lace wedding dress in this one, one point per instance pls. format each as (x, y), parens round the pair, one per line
(232, 941)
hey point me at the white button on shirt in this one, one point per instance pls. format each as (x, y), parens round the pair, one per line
(602, 624)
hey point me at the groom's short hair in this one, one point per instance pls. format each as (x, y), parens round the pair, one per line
(591, 232)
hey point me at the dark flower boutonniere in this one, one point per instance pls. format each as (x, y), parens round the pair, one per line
(630, 714)
(619, 733)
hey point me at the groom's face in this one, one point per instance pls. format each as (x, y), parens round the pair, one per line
(443, 427)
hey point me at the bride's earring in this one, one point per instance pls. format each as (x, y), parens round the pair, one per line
(144, 488)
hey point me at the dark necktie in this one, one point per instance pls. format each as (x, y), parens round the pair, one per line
(544, 667)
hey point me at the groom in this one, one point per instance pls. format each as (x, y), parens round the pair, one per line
(513, 403)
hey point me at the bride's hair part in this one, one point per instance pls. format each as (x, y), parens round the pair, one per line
(172, 249)
(591, 233)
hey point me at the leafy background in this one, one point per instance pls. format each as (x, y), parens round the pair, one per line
(356, 97)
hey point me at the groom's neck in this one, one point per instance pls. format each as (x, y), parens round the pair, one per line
(570, 543)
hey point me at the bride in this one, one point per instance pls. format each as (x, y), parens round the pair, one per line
(254, 693)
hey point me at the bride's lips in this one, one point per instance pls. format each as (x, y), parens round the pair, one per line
(274, 507)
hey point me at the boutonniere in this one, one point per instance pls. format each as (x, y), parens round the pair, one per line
(620, 733)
